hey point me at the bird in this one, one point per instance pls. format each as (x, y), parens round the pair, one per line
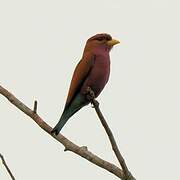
(92, 72)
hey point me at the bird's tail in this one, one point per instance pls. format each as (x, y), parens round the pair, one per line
(64, 118)
(75, 106)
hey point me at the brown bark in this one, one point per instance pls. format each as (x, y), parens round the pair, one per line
(123, 173)
(7, 167)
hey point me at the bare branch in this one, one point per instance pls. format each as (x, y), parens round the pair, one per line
(91, 97)
(6, 166)
(70, 146)
(128, 175)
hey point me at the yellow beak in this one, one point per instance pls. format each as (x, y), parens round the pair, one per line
(112, 42)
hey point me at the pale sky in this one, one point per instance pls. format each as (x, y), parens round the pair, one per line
(41, 41)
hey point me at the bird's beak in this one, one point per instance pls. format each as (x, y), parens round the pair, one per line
(112, 42)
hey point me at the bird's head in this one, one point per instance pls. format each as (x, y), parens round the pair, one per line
(100, 41)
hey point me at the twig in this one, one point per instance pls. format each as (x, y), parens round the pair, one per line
(91, 97)
(6, 166)
(35, 107)
(70, 146)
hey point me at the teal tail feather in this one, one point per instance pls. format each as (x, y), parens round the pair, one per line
(60, 124)
(75, 106)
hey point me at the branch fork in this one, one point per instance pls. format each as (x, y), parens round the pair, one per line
(122, 173)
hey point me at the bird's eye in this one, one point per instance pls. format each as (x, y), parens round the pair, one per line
(100, 38)
(108, 38)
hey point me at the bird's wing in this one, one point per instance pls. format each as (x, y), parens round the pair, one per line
(80, 74)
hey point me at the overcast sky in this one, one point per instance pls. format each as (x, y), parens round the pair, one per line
(41, 41)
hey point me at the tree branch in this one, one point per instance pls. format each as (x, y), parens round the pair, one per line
(6, 166)
(127, 173)
(70, 146)
(91, 96)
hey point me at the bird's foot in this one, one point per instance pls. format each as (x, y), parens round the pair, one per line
(90, 94)
(92, 105)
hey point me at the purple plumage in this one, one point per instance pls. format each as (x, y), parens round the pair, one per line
(99, 73)
(92, 71)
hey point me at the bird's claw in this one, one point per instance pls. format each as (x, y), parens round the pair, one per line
(89, 94)
(92, 105)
